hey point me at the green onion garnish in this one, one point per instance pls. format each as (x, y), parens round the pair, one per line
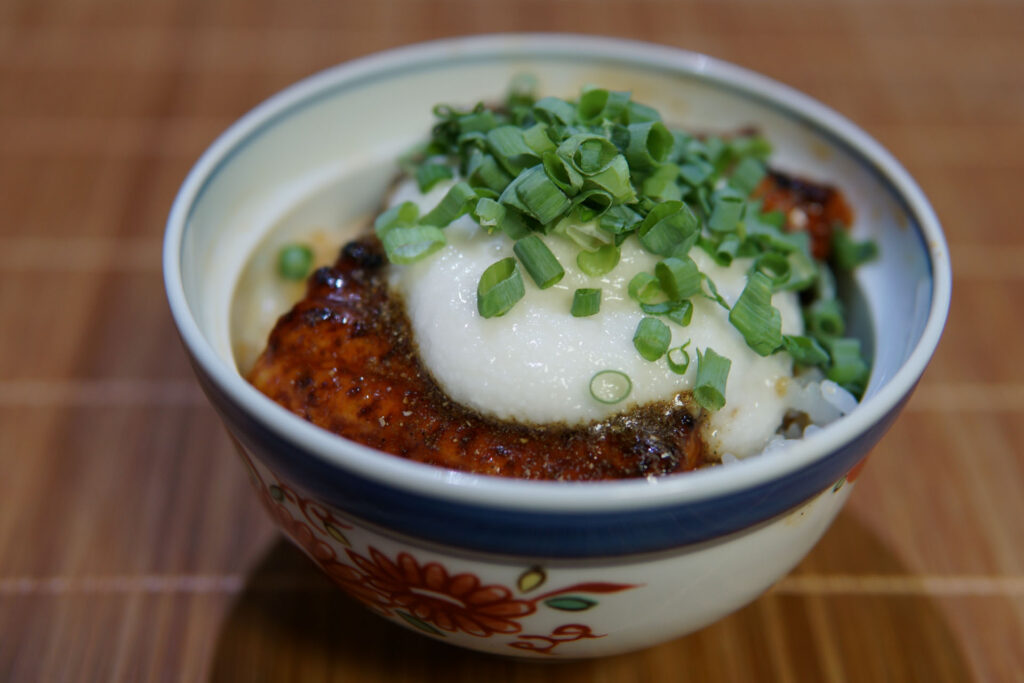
(598, 105)
(805, 350)
(600, 170)
(552, 110)
(824, 319)
(728, 208)
(712, 291)
(509, 147)
(489, 173)
(585, 302)
(428, 175)
(712, 375)
(753, 315)
(401, 215)
(678, 359)
(667, 226)
(649, 144)
(610, 386)
(410, 244)
(500, 287)
(652, 338)
(294, 261)
(599, 262)
(774, 266)
(457, 201)
(661, 185)
(644, 288)
(848, 367)
(747, 174)
(536, 195)
(848, 253)
(681, 314)
(489, 214)
(540, 263)
(562, 173)
(679, 277)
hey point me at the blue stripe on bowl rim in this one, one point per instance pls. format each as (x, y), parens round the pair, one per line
(540, 535)
(552, 519)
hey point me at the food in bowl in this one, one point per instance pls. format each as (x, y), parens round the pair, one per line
(592, 568)
(678, 307)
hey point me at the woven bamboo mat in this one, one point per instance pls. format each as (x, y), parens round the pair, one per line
(130, 545)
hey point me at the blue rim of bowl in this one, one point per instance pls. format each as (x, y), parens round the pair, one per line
(541, 497)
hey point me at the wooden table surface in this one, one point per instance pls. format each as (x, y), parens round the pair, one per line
(131, 547)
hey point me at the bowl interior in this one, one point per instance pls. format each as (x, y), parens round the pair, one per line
(323, 152)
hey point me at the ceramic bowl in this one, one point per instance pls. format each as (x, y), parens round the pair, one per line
(538, 569)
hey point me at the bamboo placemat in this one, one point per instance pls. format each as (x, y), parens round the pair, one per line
(130, 545)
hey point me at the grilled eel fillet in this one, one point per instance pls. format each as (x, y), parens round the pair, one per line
(344, 359)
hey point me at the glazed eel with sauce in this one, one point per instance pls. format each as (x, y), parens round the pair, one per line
(344, 359)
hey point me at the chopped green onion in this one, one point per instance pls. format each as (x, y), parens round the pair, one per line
(802, 272)
(500, 287)
(509, 147)
(402, 215)
(848, 253)
(585, 234)
(598, 105)
(753, 315)
(696, 172)
(477, 122)
(553, 110)
(428, 175)
(727, 250)
(585, 302)
(752, 146)
(712, 376)
(804, 350)
(610, 386)
(774, 266)
(536, 138)
(536, 195)
(712, 291)
(675, 363)
(489, 214)
(588, 153)
(562, 173)
(662, 186)
(456, 202)
(649, 144)
(747, 174)
(652, 338)
(679, 277)
(619, 220)
(681, 314)
(644, 288)
(614, 180)
(540, 263)
(848, 368)
(410, 244)
(824, 319)
(294, 261)
(725, 215)
(599, 262)
(639, 113)
(667, 226)
(488, 173)
(514, 224)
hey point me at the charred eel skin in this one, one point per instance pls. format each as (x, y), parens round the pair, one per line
(344, 359)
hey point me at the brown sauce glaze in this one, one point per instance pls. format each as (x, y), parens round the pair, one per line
(344, 359)
(823, 206)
